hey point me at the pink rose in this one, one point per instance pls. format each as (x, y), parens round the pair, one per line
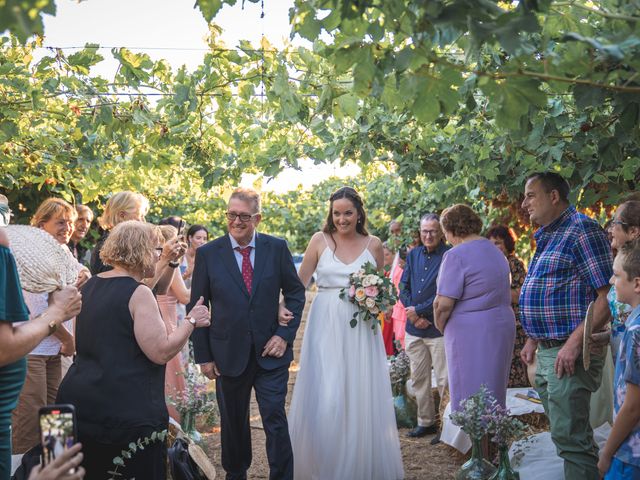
(352, 291)
(371, 291)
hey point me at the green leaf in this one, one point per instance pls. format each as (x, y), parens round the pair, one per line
(246, 90)
(84, 59)
(209, 8)
(588, 96)
(348, 103)
(308, 27)
(612, 51)
(8, 130)
(118, 461)
(426, 108)
(106, 115)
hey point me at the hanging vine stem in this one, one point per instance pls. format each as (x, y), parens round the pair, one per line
(602, 13)
(262, 61)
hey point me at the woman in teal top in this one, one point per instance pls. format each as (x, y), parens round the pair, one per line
(12, 309)
(17, 341)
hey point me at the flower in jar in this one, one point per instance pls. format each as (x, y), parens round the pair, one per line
(360, 294)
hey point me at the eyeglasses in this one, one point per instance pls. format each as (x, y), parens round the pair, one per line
(618, 222)
(244, 217)
(429, 233)
(158, 251)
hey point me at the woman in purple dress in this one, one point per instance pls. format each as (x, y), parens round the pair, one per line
(473, 308)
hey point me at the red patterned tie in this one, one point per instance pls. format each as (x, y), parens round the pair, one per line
(247, 268)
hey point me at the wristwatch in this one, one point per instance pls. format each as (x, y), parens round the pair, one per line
(53, 326)
(191, 320)
(173, 264)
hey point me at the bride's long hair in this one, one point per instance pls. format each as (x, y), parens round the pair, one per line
(353, 196)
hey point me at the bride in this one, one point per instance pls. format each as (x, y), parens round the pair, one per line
(341, 420)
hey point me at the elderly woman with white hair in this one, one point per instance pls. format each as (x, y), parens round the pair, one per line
(117, 380)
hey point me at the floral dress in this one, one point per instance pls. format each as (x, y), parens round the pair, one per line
(628, 371)
(518, 372)
(620, 312)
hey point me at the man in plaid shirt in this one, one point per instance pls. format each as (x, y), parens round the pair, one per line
(571, 267)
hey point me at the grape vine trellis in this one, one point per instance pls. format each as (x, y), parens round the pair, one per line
(462, 98)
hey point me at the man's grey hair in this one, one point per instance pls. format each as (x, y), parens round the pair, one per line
(427, 217)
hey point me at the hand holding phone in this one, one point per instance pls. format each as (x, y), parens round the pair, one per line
(65, 467)
(58, 431)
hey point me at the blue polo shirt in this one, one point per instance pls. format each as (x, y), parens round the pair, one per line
(418, 286)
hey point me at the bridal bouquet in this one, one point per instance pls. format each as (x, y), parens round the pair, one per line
(371, 292)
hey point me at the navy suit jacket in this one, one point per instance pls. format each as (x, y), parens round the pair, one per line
(242, 319)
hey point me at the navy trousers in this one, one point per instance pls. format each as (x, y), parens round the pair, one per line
(234, 395)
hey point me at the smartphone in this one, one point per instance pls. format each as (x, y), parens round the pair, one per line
(58, 430)
(180, 227)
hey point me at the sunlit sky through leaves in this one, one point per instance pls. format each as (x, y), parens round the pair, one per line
(175, 31)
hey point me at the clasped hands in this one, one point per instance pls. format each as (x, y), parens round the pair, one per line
(415, 319)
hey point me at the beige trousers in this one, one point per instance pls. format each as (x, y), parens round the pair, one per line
(425, 354)
(40, 389)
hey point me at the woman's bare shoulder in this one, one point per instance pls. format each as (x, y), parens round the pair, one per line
(4, 239)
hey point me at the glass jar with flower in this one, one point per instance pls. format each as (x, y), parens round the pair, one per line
(474, 417)
(196, 399)
(504, 429)
(405, 407)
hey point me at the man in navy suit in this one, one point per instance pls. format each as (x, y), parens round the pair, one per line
(241, 276)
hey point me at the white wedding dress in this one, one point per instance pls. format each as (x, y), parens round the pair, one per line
(341, 420)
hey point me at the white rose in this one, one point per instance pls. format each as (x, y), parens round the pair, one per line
(366, 281)
(370, 302)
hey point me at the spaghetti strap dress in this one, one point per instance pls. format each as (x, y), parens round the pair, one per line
(342, 421)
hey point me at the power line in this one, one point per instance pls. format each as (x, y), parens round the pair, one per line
(194, 49)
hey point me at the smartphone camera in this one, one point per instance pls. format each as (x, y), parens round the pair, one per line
(57, 430)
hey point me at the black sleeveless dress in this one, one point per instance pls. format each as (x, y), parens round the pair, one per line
(117, 391)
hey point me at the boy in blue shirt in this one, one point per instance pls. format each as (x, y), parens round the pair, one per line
(620, 457)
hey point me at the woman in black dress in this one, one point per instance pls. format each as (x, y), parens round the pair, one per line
(117, 380)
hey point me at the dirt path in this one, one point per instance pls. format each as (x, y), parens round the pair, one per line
(422, 461)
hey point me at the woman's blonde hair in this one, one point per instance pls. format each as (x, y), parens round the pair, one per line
(122, 202)
(168, 232)
(132, 245)
(53, 208)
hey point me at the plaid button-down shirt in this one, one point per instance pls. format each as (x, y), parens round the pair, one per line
(572, 260)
